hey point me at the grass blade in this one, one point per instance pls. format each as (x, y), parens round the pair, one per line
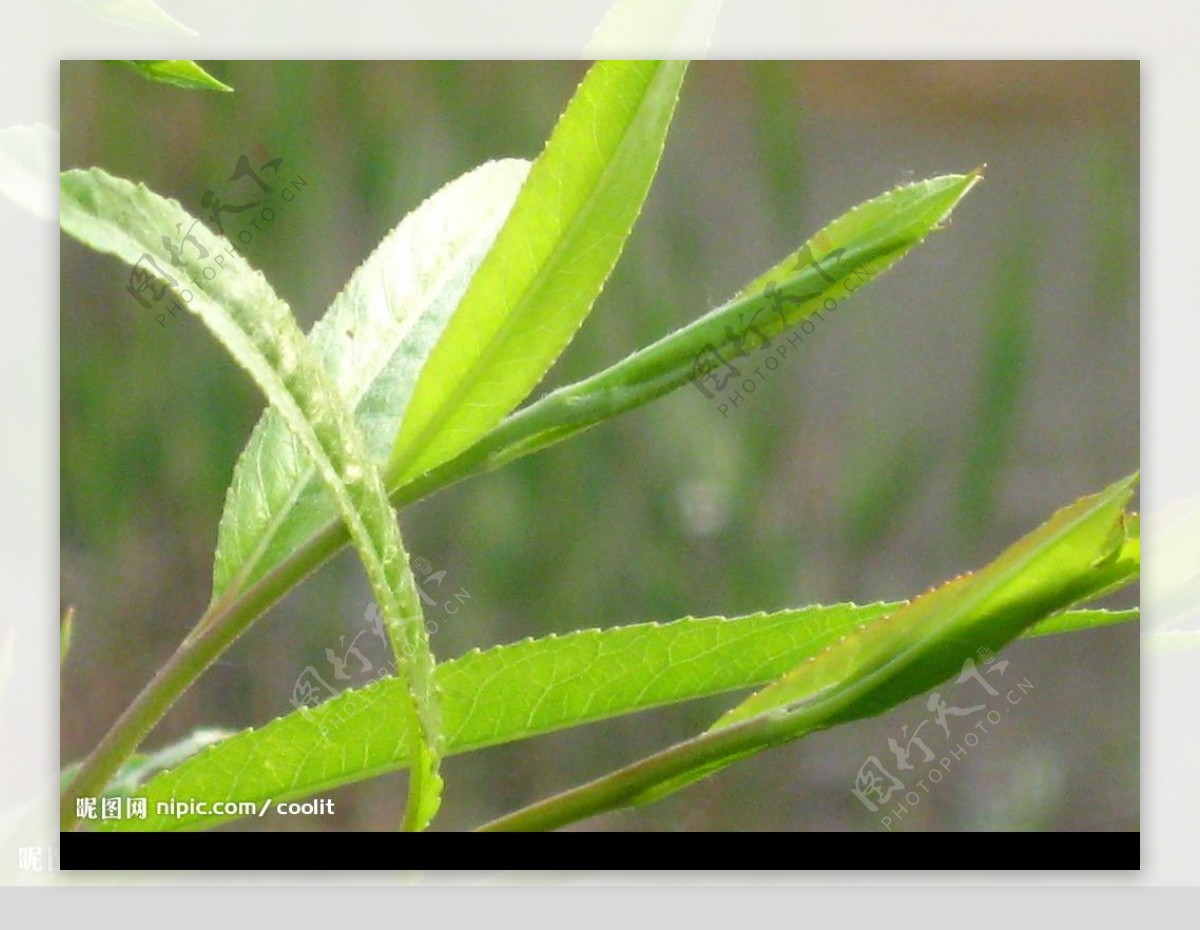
(1004, 372)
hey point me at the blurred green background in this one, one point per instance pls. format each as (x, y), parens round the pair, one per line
(952, 405)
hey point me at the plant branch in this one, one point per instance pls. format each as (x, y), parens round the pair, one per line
(792, 293)
(199, 650)
(634, 784)
(230, 616)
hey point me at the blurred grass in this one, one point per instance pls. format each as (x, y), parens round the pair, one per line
(1004, 368)
(890, 450)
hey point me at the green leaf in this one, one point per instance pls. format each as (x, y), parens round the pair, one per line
(66, 629)
(185, 74)
(257, 328)
(1072, 621)
(875, 666)
(837, 261)
(373, 340)
(141, 766)
(513, 692)
(871, 670)
(548, 264)
(146, 765)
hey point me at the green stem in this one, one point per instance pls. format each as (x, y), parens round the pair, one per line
(672, 768)
(199, 650)
(640, 378)
(634, 784)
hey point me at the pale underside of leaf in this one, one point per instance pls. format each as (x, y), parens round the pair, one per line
(138, 226)
(373, 341)
(846, 255)
(549, 263)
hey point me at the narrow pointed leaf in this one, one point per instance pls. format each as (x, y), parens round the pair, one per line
(518, 691)
(179, 73)
(237, 304)
(1073, 621)
(927, 641)
(548, 264)
(836, 262)
(877, 665)
(373, 341)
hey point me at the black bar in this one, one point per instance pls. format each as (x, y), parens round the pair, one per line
(222, 850)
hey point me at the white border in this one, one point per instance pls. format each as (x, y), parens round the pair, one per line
(1162, 35)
